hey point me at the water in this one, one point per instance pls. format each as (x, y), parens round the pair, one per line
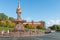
(51, 36)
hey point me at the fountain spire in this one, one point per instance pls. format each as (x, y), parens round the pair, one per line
(18, 11)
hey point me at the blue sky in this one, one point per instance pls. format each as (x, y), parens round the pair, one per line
(36, 10)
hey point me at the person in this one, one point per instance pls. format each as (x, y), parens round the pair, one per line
(2, 32)
(8, 31)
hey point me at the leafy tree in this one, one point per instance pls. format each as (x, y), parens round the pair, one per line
(11, 18)
(55, 27)
(40, 27)
(9, 24)
(3, 16)
(3, 23)
(29, 26)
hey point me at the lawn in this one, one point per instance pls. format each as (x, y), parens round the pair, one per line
(5, 28)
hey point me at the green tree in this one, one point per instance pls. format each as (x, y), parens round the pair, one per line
(55, 27)
(11, 18)
(3, 23)
(10, 24)
(29, 26)
(40, 27)
(3, 16)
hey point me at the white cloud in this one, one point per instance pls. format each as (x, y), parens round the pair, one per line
(28, 19)
(52, 22)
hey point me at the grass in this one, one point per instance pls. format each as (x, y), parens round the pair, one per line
(37, 30)
(5, 28)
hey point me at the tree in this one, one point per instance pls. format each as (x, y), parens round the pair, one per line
(3, 16)
(11, 18)
(29, 26)
(10, 24)
(7, 23)
(40, 27)
(55, 27)
(3, 23)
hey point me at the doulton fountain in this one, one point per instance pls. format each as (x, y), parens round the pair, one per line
(19, 22)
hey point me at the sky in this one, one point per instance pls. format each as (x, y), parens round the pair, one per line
(37, 10)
